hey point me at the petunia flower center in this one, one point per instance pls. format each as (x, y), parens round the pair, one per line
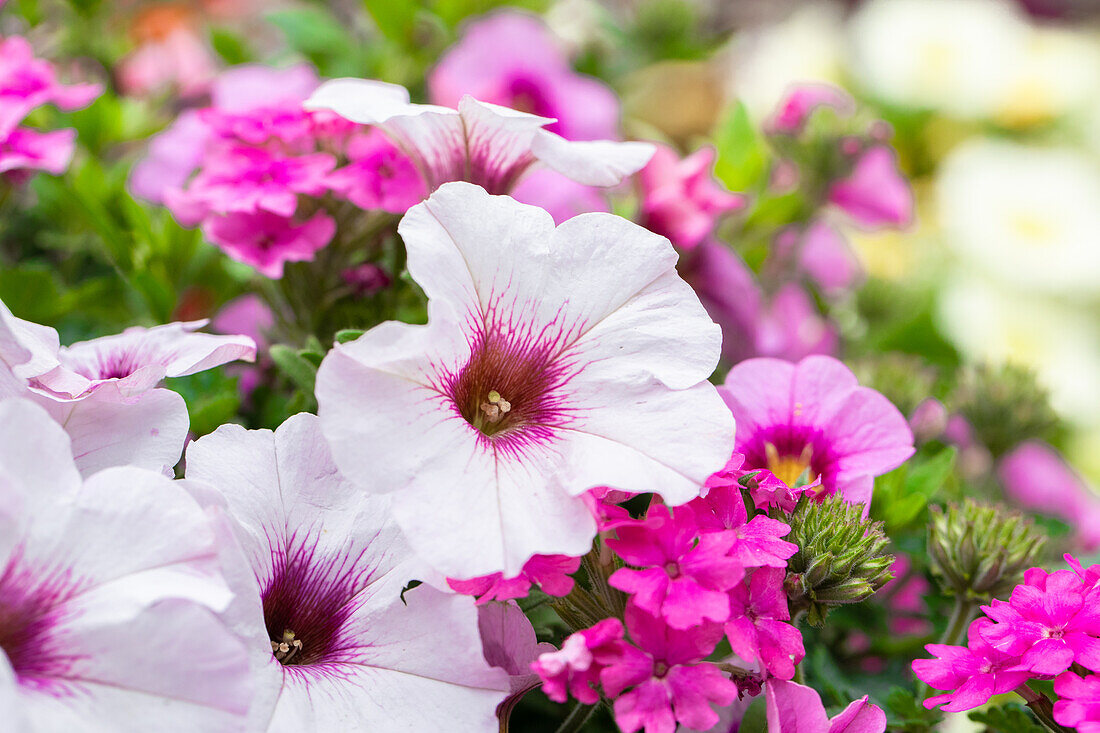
(790, 468)
(509, 389)
(308, 601)
(286, 647)
(31, 607)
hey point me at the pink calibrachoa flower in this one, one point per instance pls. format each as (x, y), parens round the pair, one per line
(1036, 476)
(681, 199)
(480, 143)
(679, 574)
(551, 573)
(1078, 704)
(513, 60)
(666, 677)
(575, 668)
(875, 193)
(335, 645)
(758, 630)
(813, 418)
(104, 392)
(1050, 621)
(106, 586)
(554, 360)
(974, 673)
(268, 241)
(795, 708)
(799, 103)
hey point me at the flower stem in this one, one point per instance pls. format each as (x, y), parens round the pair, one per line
(577, 717)
(1041, 705)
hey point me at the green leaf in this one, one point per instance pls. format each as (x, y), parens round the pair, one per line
(742, 153)
(755, 719)
(907, 715)
(1010, 718)
(927, 478)
(348, 334)
(313, 31)
(230, 46)
(296, 367)
(396, 20)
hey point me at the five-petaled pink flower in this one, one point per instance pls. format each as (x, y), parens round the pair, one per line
(812, 420)
(575, 668)
(974, 673)
(680, 575)
(551, 573)
(664, 677)
(1078, 703)
(758, 630)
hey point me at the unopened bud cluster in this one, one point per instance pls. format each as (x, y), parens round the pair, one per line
(840, 560)
(980, 551)
(1005, 406)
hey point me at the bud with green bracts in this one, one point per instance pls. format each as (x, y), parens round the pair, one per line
(840, 559)
(979, 551)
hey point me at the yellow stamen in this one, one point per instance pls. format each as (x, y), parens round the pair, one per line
(789, 469)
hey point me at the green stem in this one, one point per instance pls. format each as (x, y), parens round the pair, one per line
(1043, 708)
(576, 719)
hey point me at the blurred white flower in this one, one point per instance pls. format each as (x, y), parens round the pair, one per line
(1027, 216)
(1056, 73)
(806, 47)
(997, 325)
(954, 56)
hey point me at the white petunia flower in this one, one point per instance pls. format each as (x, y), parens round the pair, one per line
(109, 589)
(334, 645)
(554, 360)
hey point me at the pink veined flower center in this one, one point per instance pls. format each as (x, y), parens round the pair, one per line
(660, 668)
(307, 604)
(31, 606)
(509, 391)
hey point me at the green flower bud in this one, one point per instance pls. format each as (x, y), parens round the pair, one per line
(979, 551)
(904, 379)
(840, 558)
(1005, 406)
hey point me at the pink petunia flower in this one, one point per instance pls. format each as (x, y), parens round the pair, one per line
(875, 194)
(679, 575)
(727, 288)
(975, 672)
(318, 570)
(480, 143)
(826, 257)
(1078, 704)
(268, 241)
(758, 630)
(791, 327)
(664, 677)
(1036, 476)
(812, 418)
(1050, 621)
(794, 708)
(575, 668)
(551, 573)
(106, 583)
(681, 199)
(532, 382)
(511, 59)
